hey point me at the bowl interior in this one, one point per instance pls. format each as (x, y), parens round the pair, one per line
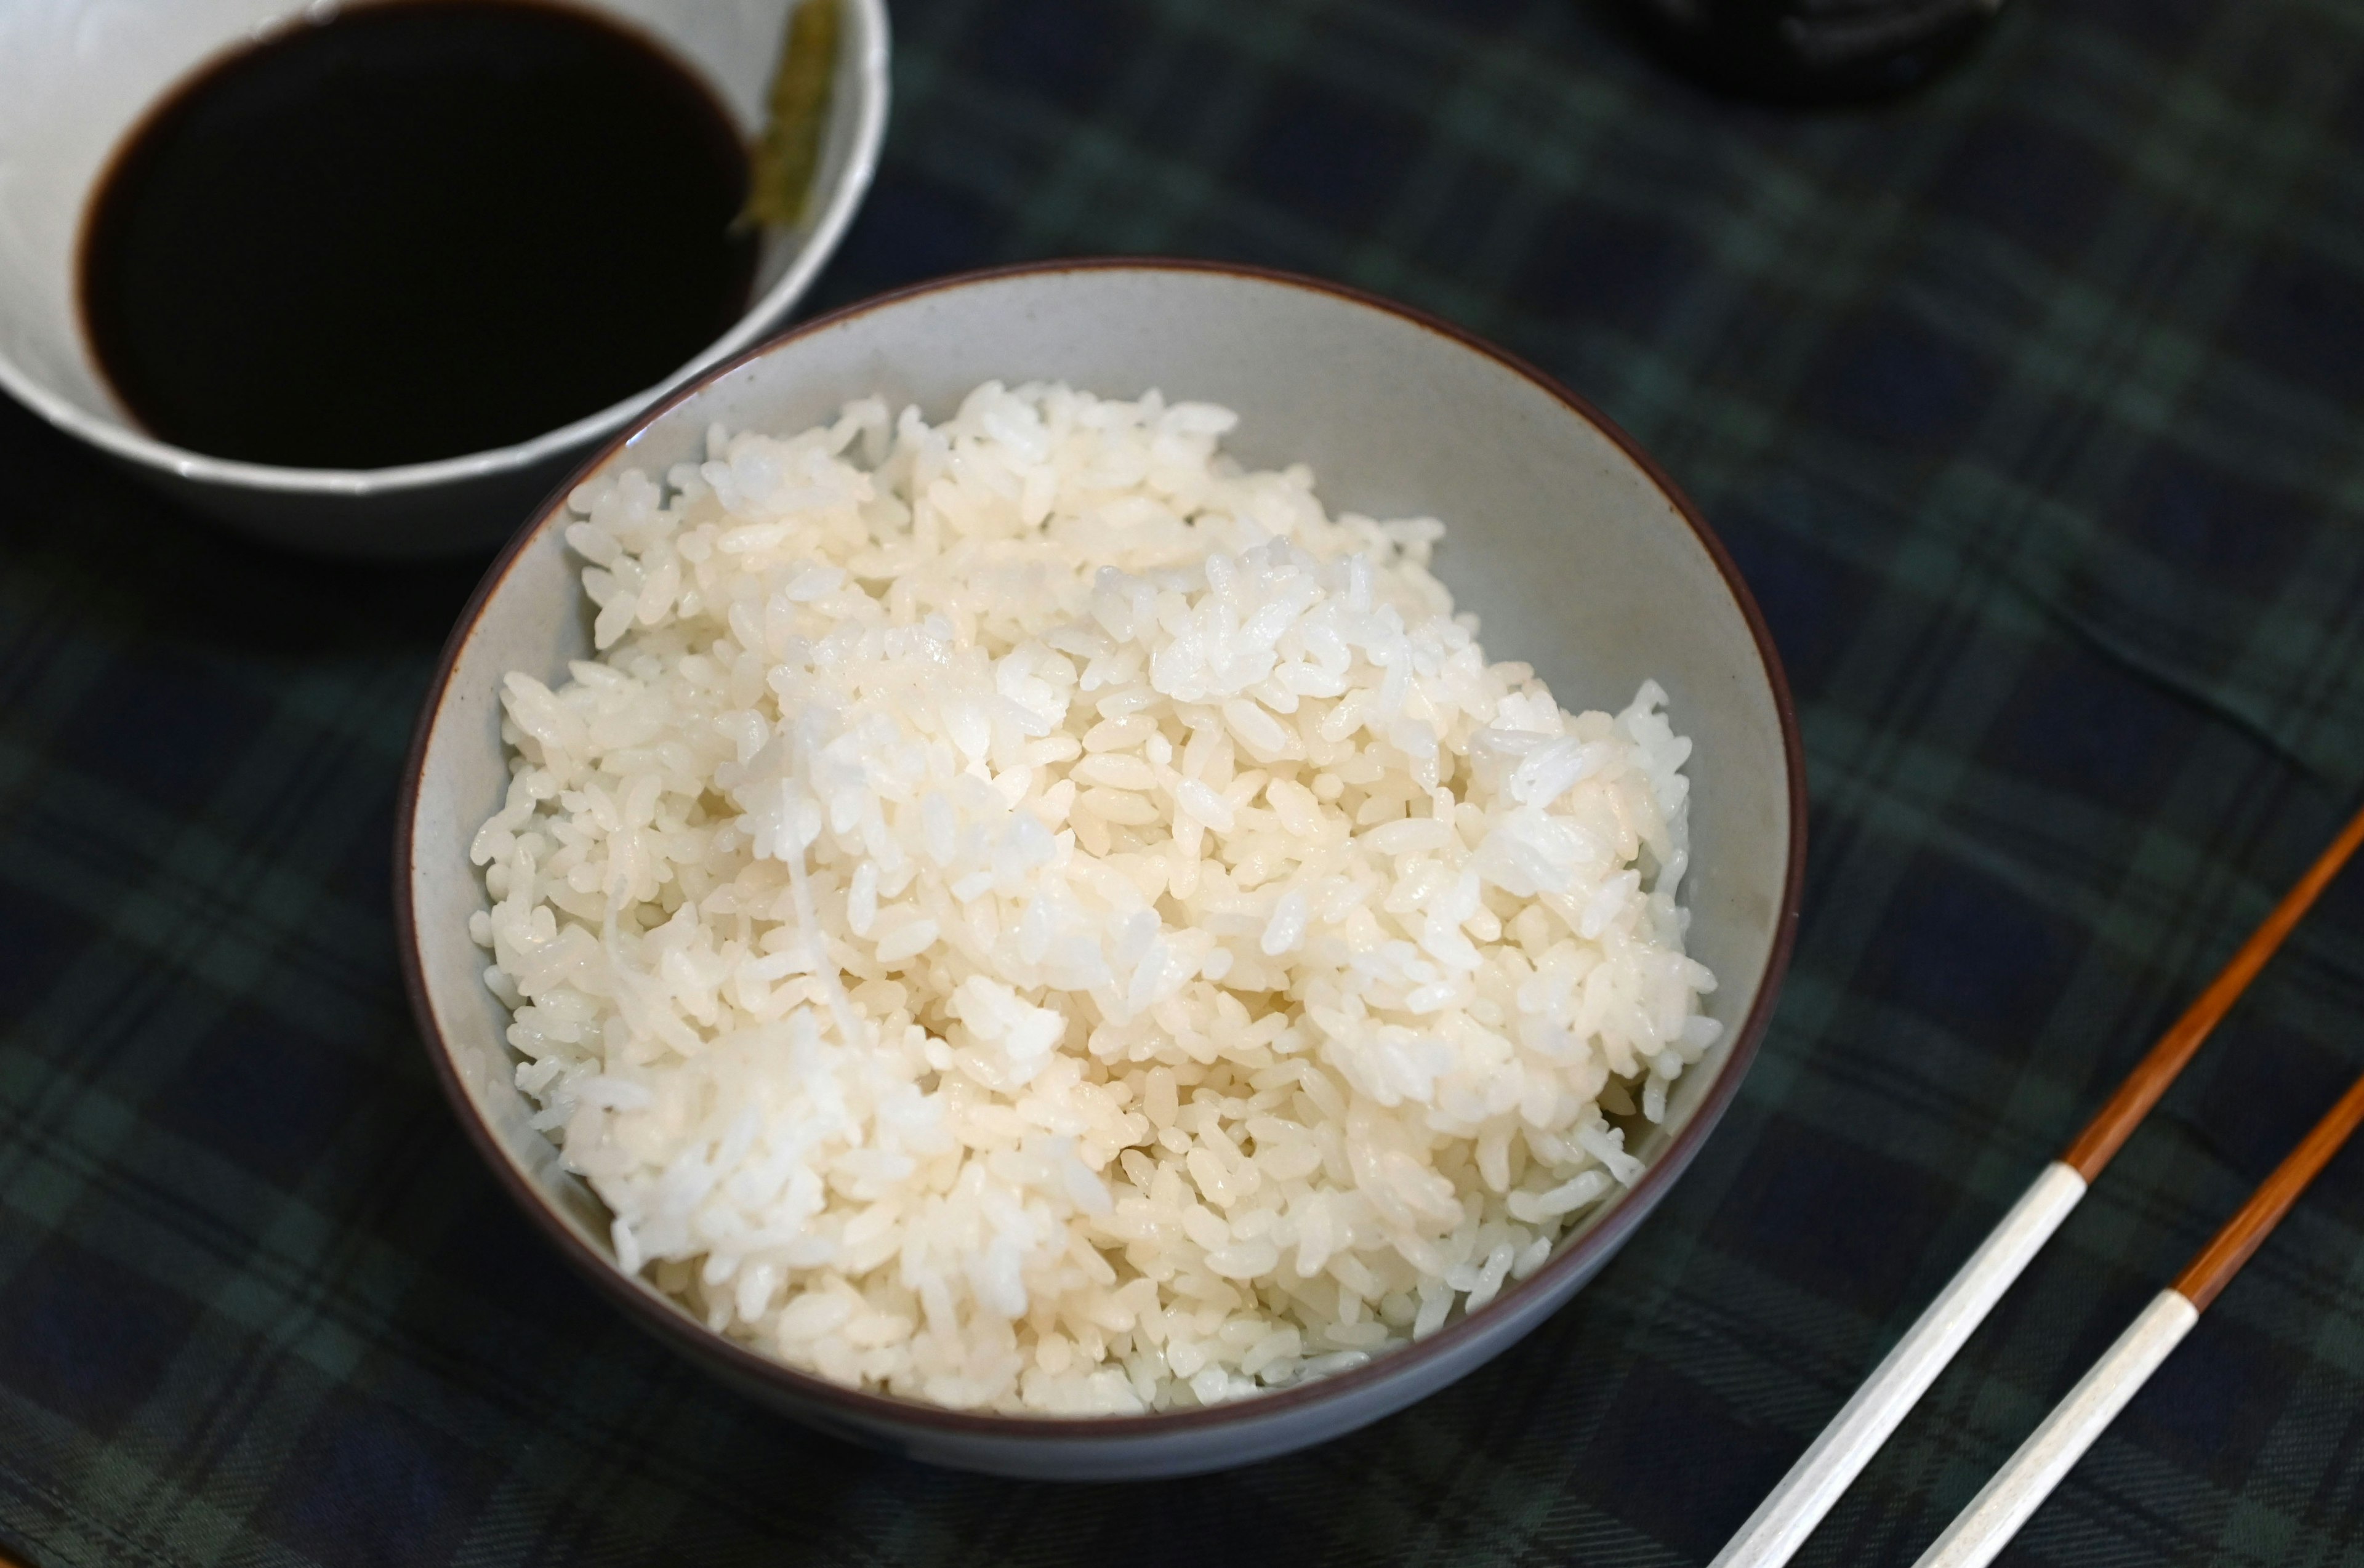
(75, 80)
(1567, 546)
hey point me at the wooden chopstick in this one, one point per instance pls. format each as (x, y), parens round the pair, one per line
(1797, 1504)
(2019, 1488)
(2206, 1275)
(2115, 1122)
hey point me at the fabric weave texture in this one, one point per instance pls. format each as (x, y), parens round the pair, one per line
(2030, 407)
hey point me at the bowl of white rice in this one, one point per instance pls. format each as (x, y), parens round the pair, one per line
(1105, 869)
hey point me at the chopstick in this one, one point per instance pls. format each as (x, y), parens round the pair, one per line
(1797, 1502)
(2019, 1488)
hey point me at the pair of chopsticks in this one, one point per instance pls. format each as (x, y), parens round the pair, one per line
(1797, 1504)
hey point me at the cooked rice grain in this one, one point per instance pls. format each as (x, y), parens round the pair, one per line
(1024, 914)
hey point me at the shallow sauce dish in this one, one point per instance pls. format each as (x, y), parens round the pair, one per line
(1578, 556)
(76, 78)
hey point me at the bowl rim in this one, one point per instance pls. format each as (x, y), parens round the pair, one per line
(133, 445)
(1588, 1252)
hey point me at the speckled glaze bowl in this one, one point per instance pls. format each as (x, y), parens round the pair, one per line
(77, 75)
(1580, 557)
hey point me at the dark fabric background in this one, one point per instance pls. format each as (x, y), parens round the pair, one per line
(2030, 407)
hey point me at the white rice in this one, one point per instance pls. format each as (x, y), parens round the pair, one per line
(1024, 914)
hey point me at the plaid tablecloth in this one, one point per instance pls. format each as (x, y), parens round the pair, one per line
(2030, 407)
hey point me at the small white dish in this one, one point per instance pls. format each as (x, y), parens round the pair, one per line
(77, 75)
(1579, 555)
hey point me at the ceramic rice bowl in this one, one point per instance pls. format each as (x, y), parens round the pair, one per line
(1581, 558)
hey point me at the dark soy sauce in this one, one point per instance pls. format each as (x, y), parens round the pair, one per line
(414, 230)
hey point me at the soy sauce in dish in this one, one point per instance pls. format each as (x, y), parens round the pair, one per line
(416, 229)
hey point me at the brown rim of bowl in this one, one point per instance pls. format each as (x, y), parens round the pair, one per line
(1588, 1250)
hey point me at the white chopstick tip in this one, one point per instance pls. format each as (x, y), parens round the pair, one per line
(2019, 1488)
(1791, 1510)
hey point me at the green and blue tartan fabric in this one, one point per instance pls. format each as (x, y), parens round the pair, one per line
(2030, 407)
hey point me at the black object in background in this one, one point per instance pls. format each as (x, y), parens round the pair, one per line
(1814, 51)
(412, 232)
